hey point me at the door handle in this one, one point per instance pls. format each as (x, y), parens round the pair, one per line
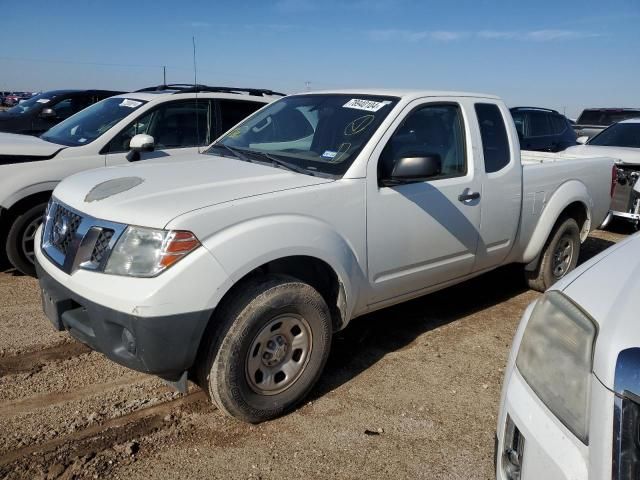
(463, 197)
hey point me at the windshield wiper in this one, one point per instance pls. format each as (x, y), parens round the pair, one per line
(235, 151)
(281, 163)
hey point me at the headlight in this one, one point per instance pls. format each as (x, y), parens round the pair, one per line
(145, 252)
(556, 358)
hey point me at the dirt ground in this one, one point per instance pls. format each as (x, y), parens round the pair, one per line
(409, 392)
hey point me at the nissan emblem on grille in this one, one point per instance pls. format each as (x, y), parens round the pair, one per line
(60, 230)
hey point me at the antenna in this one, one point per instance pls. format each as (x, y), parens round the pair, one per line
(164, 75)
(195, 84)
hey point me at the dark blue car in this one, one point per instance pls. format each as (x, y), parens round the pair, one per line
(542, 129)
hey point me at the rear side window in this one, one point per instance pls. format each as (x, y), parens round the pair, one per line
(234, 111)
(539, 124)
(558, 124)
(495, 145)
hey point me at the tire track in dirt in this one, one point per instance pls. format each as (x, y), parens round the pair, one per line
(33, 361)
(106, 434)
(25, 405)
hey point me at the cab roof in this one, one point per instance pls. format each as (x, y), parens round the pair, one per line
(407, 94)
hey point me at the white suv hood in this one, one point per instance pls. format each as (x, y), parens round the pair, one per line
(151, 193)
(27, 145)
(608, 289)
(627, 155)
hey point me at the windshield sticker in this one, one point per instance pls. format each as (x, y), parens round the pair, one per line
(43, 100)
(358, 125)
(344, 148)
(130, 103)
(235, 133)
(329, 154)
(367, 105)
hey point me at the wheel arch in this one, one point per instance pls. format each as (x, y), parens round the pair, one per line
(571, 200)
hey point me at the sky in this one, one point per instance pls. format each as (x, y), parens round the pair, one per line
(560, 54)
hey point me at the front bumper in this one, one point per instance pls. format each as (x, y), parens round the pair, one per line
(161, 345)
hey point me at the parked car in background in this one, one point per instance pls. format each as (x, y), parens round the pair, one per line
(12, 99)
(237, 266)
(542, 129)
(570, 406)
(622, 142)
(41, 112)
(166, 121)
(593, 120)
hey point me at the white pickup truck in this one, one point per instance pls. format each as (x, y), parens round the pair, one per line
(235, 268)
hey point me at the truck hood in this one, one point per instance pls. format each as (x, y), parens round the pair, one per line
(27, 146)
(626, 155)
(607, 289)
(154, 192)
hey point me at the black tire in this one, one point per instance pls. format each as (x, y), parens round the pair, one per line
(553, 266)
(20, 229)
(242, 321)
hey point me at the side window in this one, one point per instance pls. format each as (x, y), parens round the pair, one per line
(495, 144)
(120, 142)
(435, 129)
(177, 124)
(233, 112)
(181, 124)
(540, 124)
(558, 124)
(519, 119)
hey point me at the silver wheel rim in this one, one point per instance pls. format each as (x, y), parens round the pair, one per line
(562, 257)
(28, 237)
(279, 354)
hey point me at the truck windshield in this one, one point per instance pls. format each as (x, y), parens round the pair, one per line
(88, 124)
(619, 135)
(31, 104)
(314, 134)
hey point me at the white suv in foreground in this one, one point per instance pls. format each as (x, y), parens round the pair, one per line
(179, 118)
(570, 404)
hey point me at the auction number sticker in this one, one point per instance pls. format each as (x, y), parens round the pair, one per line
(366, 105)
(43, 100)
(130, 103)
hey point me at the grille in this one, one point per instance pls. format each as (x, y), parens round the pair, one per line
(102, 244)
(65, 225)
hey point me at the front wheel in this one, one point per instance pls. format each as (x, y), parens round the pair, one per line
(267, 348)
(20, 239)
(559, 255)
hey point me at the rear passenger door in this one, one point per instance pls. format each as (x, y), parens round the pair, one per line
(177, 127)
(501, 174)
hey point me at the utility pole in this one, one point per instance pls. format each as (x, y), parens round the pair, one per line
(164, 75)
(307, 85)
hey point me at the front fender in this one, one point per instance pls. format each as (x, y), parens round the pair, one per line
(569, 192)
(245, 246)
(14, 197)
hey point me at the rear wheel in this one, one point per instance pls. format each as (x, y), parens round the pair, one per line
(267, 348)
(559, 255)
(20, 239)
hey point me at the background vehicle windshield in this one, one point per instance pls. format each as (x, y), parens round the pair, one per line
(319, 133)
(605, 117)
(619, 135)
(33, 103)
(88, 124)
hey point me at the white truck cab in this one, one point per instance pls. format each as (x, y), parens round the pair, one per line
(234, 268)
(179, 118)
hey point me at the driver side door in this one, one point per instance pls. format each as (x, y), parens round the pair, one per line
(178, 127)
(424, 232)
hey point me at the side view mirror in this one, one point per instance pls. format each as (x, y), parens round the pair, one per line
(48, 113)
(582, 140)
(140, 143)
(415, 167)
